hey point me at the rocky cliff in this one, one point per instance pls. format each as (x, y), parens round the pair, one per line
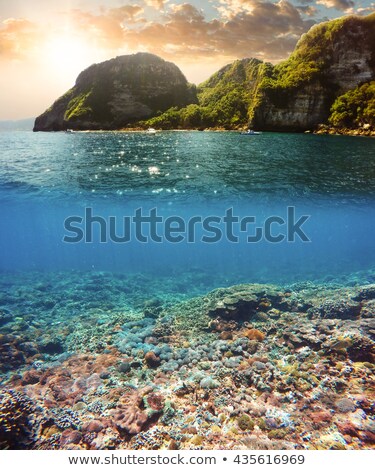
(331, 59)
(298, 94)
(118, 92)
(295, 95)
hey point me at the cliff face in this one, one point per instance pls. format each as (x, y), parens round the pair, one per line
(296, 95)
(115, 93)
(228, 94)
(329, 60)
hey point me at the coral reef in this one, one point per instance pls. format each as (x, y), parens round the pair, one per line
(15, 426)
(243, 367)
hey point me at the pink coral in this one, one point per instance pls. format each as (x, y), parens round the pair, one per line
(128, 416)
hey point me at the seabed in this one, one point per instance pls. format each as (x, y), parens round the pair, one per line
(112, 361)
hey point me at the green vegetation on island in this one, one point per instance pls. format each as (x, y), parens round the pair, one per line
(356, 108)
(328, 79)
(297, 94)
(224, 100)
(117, 92)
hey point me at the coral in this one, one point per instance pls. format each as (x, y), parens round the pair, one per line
(365, 293)
(93, 426)
(320, 418)
(152, 360)
(245, 423)
(184, 389)
(152, 307)
(341, 344)
(31, 376)
(154, 403)
(66, 418)
(70, 437)
(277, 418)
(277, 433)
(226, 335)
(169, 413)
(51, 346)
(256, 443)
(15, 426)
(152, 439)
(362, 349)
(254, 334)
(197, 440)
(242, 302)
(345, 405)
(343, 309)
(128, 416)
(209, 383)
(5, 317)
(11, 355)
(307, 384)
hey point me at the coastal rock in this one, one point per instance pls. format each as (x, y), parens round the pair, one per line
(332, 58)
(299, 94)
(118, 92)
(332, 68)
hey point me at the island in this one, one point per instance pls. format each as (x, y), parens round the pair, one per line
(327, 85)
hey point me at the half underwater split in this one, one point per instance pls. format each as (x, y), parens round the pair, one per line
(169, 340)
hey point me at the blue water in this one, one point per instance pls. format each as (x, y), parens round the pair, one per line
(47, 177)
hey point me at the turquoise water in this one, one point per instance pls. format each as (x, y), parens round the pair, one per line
(85, 323)
(186, 167)
(46, 178)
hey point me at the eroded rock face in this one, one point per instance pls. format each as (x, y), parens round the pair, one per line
(342, 51)
(303, 109)
(118, 92)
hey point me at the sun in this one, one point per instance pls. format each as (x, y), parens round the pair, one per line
(67, 54)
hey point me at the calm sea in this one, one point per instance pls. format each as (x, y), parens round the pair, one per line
(47, 177)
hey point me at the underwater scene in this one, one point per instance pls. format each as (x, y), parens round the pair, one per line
(187, 290)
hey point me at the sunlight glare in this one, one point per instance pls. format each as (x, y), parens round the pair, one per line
(68, 54)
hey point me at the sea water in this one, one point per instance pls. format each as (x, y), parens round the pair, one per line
(116, 251)
(46, 178)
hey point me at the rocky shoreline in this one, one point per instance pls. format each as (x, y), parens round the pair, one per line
(365, 131)
(321, 130)
(253, 366)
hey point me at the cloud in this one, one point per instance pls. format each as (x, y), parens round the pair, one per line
(107, 28)
(343, 5)
(265, 30)
(230, 8)
(249, 28)
(366, 10)
(307, 10)
(157, 4)
(126, 12)
(17, 38)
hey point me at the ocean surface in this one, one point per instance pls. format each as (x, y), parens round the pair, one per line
(186, 290)
(48, 177)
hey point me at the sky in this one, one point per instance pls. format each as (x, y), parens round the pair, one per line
(44, 44)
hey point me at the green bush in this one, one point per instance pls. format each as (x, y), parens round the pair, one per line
(354, 108)
(78, 107)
